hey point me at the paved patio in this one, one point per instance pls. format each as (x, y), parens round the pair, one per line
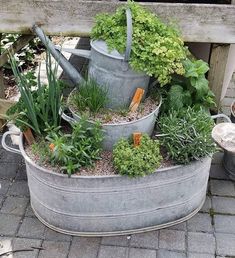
(211, 233)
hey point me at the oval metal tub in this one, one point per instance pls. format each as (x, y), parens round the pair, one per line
(116, 205)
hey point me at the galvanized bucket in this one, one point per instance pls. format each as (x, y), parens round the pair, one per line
(113, 132)
(111, 70)
(115, 205)
(222, 134)
(229, 164)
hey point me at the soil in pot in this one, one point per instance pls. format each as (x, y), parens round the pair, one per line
(108, 116)
(102, 167)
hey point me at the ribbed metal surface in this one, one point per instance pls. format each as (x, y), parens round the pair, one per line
(229, 164)
(114, 74)
(112, 205)
(113, 132)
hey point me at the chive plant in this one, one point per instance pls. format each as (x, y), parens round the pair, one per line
(90, 97)
(37, 108)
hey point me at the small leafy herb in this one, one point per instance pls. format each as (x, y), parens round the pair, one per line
(157, 48)
(77, 149)
(90, 97)
(137, 161)
(191, 89)
(186, 134)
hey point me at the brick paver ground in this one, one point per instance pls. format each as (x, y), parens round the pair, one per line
(209, 234)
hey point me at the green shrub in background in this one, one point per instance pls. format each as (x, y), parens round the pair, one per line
(186, 134)
(137, 161)
(26, 56)
(191, 89)
(157, 49)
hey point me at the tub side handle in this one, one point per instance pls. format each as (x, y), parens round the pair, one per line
(222, 116)
(68, 118)
(5, 146)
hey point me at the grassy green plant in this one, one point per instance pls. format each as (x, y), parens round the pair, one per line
(157, 48)
(90, 97)
(137, 161)
(191, 89)
(186, 134)
(39, 105)
(74, 150)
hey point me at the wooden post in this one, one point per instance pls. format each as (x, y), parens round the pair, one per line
(218, 62)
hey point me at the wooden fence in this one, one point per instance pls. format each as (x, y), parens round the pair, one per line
(198, 23)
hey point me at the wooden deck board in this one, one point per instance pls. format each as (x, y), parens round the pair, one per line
(198, 23)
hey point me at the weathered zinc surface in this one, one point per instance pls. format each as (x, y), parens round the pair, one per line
(210, 234)
(207, 23)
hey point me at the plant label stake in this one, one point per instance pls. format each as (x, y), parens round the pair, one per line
(137, 139)
(136, 99)
(29, 136)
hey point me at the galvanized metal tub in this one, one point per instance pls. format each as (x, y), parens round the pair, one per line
(115, 205)
(113, 132)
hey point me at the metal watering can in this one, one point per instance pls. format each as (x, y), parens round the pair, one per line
(110, 70)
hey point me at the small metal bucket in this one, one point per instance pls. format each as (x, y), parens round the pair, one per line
(113, 132)
(229, 164)
(219, 137)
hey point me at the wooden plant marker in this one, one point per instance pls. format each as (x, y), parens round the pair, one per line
(29, 136)
(136, 99)
(137, 138)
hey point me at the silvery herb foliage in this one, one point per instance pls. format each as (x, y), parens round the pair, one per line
(186, 134)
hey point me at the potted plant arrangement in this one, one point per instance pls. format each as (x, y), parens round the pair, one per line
(80, 186)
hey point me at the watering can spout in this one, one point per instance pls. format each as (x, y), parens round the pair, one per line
(73, 74)
(77, 52)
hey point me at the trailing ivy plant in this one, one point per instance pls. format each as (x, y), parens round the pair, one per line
(137, 161)
(191, 89)
(157, 48)
(186, 134)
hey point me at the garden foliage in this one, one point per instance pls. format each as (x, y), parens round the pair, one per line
(137, 161)
(39, 105)
(90, 97)
(186, 134)
(157, 48)
(191, 89)
(74, 150)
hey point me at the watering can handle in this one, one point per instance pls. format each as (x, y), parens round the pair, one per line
(129, 33)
